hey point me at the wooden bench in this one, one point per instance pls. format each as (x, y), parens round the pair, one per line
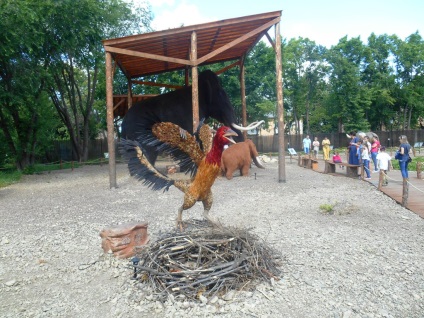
(308, 162)
(351, 170)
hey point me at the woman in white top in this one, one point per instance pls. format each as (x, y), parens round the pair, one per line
(365, 155)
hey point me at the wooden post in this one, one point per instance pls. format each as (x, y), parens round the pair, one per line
(129, 95)
(243, 96)
(194, 81)
(405, 192)
(419, 170)
(109, 120)
(380, 179)
(280, 106)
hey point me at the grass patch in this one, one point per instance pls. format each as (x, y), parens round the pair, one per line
(327, 208)
(8, 177)
(39, 168)
(11, 175)
(412, 166)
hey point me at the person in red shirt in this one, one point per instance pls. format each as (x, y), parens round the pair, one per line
(375, 148)
(337, 159)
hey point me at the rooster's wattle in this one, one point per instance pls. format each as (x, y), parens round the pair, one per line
(200, 153)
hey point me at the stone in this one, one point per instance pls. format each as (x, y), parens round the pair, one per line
(203, 299)
(124, 240)
(229, 296)
(10, 283)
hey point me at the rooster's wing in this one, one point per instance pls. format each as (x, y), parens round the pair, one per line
(205, 135)
(174, 136)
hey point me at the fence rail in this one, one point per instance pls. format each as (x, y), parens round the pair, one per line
(62, 150)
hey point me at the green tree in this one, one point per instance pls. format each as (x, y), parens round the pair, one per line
(76, 57)
(304, 71)
(55, 47)
(378, 77)
(25, 111)
(409, 65)
(348, 100)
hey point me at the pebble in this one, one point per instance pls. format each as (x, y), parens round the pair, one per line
(229, 296)
(10, 283)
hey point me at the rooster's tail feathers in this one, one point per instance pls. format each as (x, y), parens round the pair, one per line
(141, 168)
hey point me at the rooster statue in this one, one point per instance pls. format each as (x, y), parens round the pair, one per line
(199, 153)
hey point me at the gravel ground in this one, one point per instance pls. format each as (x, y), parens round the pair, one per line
(364, 260)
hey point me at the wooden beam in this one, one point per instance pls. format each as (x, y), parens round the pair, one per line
(280, 107)
(148, 55)
(109, 120)
(243, 96)
(157, 84)
(270, 40)
(194, 81)
(188, 29)
(119, 103)
(237, 41)
(129, 96)
(222, 70)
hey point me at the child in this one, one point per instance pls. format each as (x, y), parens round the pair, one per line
(384, 163)
(337, 159)
(315, 144)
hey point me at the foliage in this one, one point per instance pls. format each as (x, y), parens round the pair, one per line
(304, 83)
(9, 176)
(50, 58)
(412, 166)
(52, 79)
(409, 67)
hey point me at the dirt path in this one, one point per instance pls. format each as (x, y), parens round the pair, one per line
(365, 259)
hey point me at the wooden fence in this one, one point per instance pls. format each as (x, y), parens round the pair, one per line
(62, 150)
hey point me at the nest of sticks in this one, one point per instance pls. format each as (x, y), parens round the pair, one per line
(206, 261)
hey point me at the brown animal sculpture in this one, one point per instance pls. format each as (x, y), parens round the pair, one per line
(239, 156)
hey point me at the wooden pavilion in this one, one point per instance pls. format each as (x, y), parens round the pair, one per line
(186, 48)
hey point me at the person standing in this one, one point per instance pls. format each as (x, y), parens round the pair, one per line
(364, 153)
(404, 150)
(368, 144)
(353, 148)
(326, 148)
(306, 144)
(375, 147)
(315, 144)
(384, 163)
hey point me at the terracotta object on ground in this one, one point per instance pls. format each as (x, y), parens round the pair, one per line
(124, 239)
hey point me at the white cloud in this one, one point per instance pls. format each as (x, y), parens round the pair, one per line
(182, 14)
(159, 3)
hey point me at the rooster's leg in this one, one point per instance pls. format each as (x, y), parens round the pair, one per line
(180, 218)
(189, 201)
(207, 204)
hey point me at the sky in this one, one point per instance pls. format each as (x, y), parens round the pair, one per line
(323, 21)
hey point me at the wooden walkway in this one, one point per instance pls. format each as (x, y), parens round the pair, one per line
(395, 187)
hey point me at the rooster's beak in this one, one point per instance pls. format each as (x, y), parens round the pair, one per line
(229, 134)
